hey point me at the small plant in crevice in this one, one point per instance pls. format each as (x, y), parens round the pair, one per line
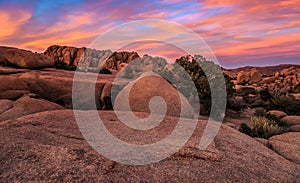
(262, 128)
(265, 128)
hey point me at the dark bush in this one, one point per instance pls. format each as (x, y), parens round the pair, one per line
(236, 104)
(200, 79)
(105, 71)
(62, 65)
(265, 95)
(272, 117)
(244, 128)
(283, 103)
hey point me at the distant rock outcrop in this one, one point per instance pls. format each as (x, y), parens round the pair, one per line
(255, 76)
(24, 58)
(88, 59)
(242, 77)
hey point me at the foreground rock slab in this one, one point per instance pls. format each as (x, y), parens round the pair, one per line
(288, 145)
(48, 146)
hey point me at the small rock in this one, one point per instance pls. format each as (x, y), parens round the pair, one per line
(277, 113)
(291, 120)
(269, 80)
(295, 128)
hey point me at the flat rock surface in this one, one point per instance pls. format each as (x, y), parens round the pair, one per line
(48, 146)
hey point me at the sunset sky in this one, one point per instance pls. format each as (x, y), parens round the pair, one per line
(264, 32)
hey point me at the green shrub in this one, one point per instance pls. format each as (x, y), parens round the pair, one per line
(265, 128)
(193, 68)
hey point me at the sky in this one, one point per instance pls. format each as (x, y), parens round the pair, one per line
(239, 33)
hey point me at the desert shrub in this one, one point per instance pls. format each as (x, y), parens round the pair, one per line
(62, 65)
(284, 103)
(262, 127)
(265, 95)
(265, 128)
(200, 79)
(272, 117)
(247, 91)
(236, 104)
(244, 128)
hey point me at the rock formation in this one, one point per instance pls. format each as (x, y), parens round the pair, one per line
(89, 59)
(24, 59)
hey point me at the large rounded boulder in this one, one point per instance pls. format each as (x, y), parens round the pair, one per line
(146, 88)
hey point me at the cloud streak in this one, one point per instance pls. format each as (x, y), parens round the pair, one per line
(239, 32)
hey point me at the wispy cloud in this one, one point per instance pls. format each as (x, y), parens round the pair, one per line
(239, 32)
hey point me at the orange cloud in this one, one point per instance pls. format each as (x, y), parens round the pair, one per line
(11, 21)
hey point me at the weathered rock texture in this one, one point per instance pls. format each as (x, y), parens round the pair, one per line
(27, 105)
(287, 145)
(89, 59)
(24, 58)
(54, 85)
(48, 146)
